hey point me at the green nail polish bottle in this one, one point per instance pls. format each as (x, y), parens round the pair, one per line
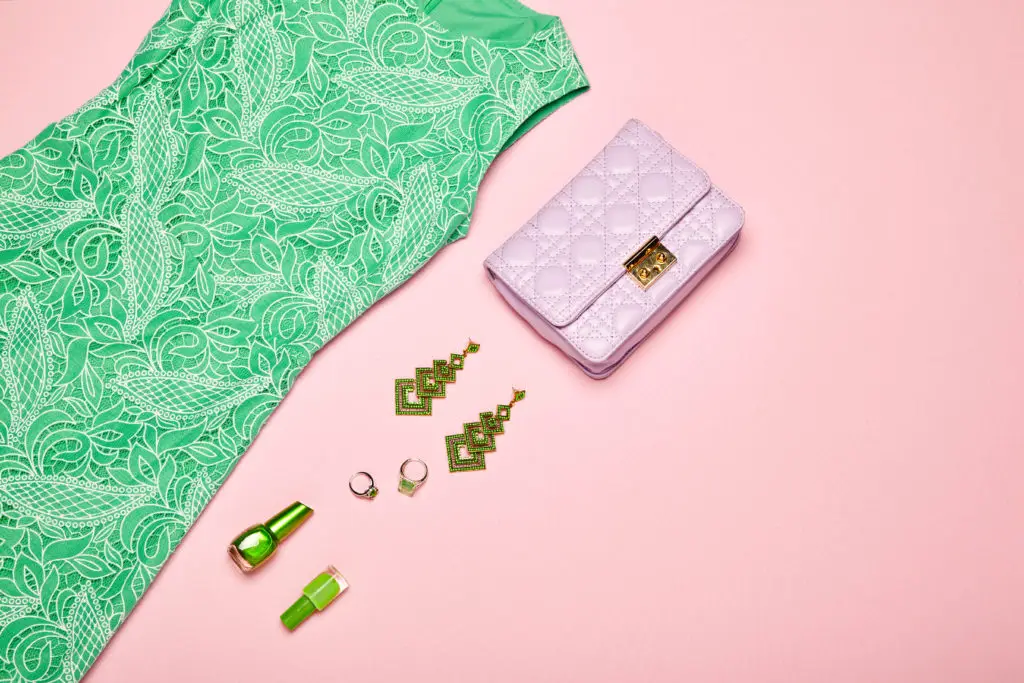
(316, 596)
(257, 544)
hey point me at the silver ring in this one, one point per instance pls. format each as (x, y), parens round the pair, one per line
(371, 491)
(406, 484)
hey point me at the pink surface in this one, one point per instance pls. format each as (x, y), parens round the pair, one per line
(811, 473)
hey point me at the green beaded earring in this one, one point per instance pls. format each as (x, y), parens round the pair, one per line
(467, 451)
(429, 383)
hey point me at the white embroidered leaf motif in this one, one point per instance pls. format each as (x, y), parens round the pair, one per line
(27, 361)
(12, 607)
(338, 298)
(31, 221)
(245, 10)
(246, 288)
(200, 494)
(71, 502)
(257, 65)
(296, 187)
(358, 13)
(88, 633)
(153, 155)
(177, 395)
(145, 249)
(530, 97)
(416, 235)
(412, 90)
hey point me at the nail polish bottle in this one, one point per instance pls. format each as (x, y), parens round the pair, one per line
(257, 544)
(316, 596)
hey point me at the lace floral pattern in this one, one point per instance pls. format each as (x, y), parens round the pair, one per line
(173, 254)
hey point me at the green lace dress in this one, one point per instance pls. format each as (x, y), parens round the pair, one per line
(174, 253)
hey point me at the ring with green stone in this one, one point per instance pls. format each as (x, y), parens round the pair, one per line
(369, 493)
(406, 484)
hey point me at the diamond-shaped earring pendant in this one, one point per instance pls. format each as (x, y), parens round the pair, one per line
(415, 396)
(467, 451)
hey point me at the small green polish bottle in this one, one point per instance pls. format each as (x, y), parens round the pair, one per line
(257, 544)
(316, 596)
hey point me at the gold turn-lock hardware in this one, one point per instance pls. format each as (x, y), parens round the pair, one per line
(649, 262)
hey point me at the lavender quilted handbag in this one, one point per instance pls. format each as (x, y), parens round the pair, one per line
(616, 250)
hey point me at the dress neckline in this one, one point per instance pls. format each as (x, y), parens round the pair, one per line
(511, 9)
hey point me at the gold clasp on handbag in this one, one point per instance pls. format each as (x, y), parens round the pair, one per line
(649, 262)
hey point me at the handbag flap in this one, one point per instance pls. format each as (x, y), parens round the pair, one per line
(574, 248)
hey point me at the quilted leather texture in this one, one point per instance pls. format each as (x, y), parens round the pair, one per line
(621, 311)
(563, 272)
(573, 249)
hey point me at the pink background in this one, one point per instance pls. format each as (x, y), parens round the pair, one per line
(811, 473)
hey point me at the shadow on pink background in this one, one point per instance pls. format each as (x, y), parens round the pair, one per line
(811, 473)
